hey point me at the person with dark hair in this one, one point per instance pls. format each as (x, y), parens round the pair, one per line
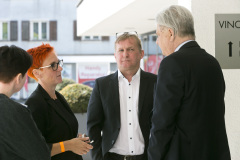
(188, 114)
(119, 110)
(20, 138)
(50, 110)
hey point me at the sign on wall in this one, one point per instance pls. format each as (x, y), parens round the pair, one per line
(227, 40)
(152, 63)
(88, 72)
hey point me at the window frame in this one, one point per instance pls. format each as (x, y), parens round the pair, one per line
(39, 30)
(91, 38)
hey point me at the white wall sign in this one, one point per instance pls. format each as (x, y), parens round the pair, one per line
(90, 71)
(227, 40)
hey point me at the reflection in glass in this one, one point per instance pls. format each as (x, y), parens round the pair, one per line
(95, 37)
(35, 31)
(44, 30)
(87, 37)
(5, 31)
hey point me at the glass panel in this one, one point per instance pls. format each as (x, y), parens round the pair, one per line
(95, 37)
(44, 30)
(5, 31)
(113, 67)
(87, 37)
(35, 31)
(67, 71)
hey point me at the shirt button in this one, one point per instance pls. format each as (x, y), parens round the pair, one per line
(129, 110)
(129, 123)
(130, 137)
(129, 97)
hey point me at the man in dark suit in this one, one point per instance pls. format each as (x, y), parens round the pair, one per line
(188, 115)
(119, 110)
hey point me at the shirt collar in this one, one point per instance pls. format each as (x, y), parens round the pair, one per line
(181, 45)
(120, 75)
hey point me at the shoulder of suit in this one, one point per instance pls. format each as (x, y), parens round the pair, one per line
(10, 106)
(36, 100)
(37, 94)
(107, 77)
(148, 74)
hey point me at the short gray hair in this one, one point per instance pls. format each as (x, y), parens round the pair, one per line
(177, 18)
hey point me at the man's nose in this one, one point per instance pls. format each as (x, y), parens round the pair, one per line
(125, 53)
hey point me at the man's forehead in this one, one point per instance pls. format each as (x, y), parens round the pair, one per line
(122, 44)
(128, 40)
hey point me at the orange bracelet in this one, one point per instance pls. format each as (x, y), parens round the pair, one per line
(62, 146)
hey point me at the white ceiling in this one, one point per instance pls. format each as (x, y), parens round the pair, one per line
(107, 17)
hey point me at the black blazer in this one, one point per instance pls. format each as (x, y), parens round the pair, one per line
(104, 112)
(20, 138)
(56, 122)
(188, 115)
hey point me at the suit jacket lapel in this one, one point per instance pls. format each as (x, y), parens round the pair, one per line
(54, 106)
(142, 90)
(64, 102)
(115, 93)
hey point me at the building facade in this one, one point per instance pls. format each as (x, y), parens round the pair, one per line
(29, 23)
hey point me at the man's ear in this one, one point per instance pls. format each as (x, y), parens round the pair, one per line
(142, 54)
(171, 33)
(18, 78)
(18, 82)
(36, 73)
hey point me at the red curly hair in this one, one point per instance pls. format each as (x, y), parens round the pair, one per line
(39, 54)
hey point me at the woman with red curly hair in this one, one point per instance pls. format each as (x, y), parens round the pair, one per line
(49, 108)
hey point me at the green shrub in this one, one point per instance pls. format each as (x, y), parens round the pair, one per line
(77, 96)
(64, 83)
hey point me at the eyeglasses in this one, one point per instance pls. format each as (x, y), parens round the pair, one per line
(54, 65)
(130, 33)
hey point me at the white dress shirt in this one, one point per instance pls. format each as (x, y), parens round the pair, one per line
(130, 139)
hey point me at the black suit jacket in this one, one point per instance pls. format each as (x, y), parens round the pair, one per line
(57, 123)
(20, 138)
(188, 115)
(104, 112)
